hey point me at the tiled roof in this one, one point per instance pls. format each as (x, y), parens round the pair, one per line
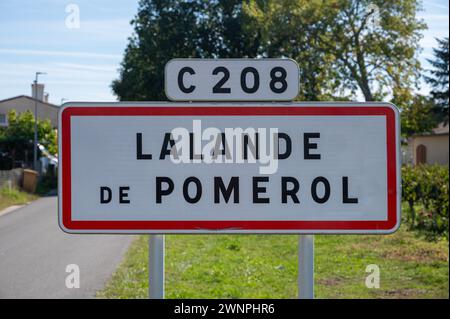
(30, 98)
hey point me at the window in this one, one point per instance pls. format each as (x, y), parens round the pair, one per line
(3, 120)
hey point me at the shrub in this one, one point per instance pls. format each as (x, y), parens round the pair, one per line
(16, 140)
(48, 182)
(11, 193)
(425, 191)
(13, 196)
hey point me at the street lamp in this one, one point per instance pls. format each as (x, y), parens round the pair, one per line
(35, 120)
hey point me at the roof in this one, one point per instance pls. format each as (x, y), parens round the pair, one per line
(30, 98)
(441, 129)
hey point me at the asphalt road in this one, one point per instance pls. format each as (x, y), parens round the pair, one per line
(34, 254)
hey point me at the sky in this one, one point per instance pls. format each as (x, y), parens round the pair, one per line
(82, 56)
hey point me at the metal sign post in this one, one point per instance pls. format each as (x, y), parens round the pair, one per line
(156, 267)
(306, 267)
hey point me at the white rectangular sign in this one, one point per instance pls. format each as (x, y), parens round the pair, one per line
(229, 168)
(231, 79)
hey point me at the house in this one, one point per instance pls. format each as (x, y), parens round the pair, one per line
(430, 148)
(23, 103)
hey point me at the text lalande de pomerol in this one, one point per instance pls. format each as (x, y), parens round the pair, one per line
(262, 146)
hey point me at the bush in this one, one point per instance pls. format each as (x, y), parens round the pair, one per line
(425, 192)
(48, 182)
(16, 140)
(13, 196)
(12, 193)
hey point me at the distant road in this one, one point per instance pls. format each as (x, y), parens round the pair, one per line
(34, 253)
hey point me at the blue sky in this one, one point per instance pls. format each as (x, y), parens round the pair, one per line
(82, 62)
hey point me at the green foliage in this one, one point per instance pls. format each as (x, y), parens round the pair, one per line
(439, 80)
(17, 138)
(367, 45)
(49, 182)
(421, 114)
(340, 45)
(13, 193)
(425, 190)
(166, 29)
(13, 196)
(293, 29)
(417, 114)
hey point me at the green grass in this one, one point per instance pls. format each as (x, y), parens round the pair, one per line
(265, 266)
(13, 196)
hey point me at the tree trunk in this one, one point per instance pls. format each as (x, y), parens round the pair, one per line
(364, 86)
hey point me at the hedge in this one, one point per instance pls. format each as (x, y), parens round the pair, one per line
(425, 194)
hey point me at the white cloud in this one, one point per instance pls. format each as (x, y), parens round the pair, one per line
(89, 67)
(60, 53)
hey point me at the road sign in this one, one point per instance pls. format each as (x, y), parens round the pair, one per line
(229, 168)
(231, 79)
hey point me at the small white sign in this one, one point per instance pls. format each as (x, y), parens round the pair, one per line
(229, 168)
(231, 79)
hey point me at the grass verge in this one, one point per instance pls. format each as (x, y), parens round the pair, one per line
(265, 266)
(13, 196)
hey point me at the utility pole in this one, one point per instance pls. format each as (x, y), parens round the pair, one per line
(35, 121)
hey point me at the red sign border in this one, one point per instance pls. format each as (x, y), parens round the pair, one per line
(385, 226)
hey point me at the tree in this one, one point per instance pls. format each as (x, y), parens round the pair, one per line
(162, 30)
(342, 46)
(228, 30)
(439, 80)
(17, 138)
(292, 29)
(370, 45)
(417, 115)
(377, 45)
(166, 29)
